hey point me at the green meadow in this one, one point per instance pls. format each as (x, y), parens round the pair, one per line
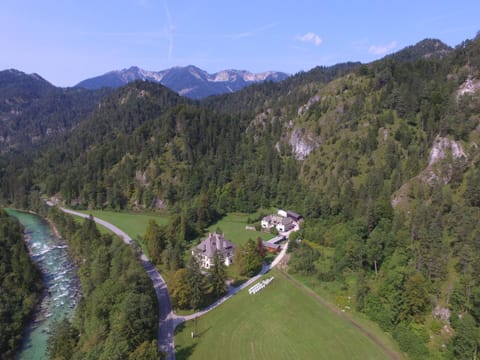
(282, 321)
(132, 223)
(233, 226)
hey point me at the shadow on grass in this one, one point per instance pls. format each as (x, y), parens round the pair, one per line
(201, 333)
(179, 328)
(183, 353)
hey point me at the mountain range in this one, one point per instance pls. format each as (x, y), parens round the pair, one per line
(381, 159)
(32, 109)
(189, 81)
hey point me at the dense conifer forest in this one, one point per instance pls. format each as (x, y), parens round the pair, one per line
(381, 159)
(20, 285)
(117, 317)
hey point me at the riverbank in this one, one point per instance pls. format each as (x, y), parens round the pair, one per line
(165, 337)
(20, 286)
(119, 308)
(61, 284)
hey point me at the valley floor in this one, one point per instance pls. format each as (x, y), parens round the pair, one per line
(283, 321)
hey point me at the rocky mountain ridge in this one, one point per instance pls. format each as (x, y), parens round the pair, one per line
(189, 81)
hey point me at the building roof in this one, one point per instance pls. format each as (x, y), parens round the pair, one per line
(276, 239)
(267, 218)
(287, 221)
(293, 215)
(215, 242)
(273, 219)
(270, 245)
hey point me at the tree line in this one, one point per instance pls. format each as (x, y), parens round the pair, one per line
(117, 316)
(20, 285)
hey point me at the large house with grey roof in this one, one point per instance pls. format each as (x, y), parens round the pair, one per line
(205, 251)
(283, 221)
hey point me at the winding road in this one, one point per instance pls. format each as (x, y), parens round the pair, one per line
(232, 290)
(166, 315)
(168, 320)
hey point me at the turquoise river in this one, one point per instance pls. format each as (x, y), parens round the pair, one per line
(59, 278)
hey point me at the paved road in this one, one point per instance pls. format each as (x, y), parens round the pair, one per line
(168, 321)
(165, 321)
(232, 291)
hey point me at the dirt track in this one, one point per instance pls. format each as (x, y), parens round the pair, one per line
(389, 352)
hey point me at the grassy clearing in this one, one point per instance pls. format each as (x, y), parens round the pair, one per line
(280, 322)
(233, 226)
(334, 293)
(132, 223)
(102, 229)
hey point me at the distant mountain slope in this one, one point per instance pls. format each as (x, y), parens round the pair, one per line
(381, 159)
(427, 48)
(32, 109)
(188, 81)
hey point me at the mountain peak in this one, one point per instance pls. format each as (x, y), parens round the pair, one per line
(426, 48)
(19, 74)
(190, 80)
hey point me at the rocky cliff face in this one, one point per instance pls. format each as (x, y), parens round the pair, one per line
(470, 86)
(445, 157)
(302, 143)
(442, 155)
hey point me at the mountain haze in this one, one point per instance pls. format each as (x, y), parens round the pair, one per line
(189, 81)
(32, 109)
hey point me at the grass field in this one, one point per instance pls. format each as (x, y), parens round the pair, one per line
(282, 321)
(233, 226)
(133, 224)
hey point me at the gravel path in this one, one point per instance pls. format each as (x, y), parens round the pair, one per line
(168, 320)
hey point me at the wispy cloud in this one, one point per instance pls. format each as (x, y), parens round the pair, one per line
(169, 29)
(311, 38)
(382, 49)
(251, 33)
(125, 34)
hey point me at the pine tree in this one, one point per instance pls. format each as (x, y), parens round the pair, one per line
(155, 240)
(466, 339)
(218, 275)
(415, 299)
(252, 259)
(196, 282)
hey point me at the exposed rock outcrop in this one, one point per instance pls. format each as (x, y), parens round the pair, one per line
(307, 106)
(441, 149)
(470, 86)
(444, 155)
(302, 143)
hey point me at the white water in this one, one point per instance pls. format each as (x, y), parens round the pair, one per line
(60, 281)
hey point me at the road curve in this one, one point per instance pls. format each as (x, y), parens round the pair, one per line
(166, 316)
(168, 320)
(232, 291)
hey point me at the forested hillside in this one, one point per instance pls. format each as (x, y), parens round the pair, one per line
(381, 159)
(20, 286)
(117, 317)
(32, 110)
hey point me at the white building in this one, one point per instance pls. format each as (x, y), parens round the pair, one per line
(285, 224)
(283, 221)
(206, 250)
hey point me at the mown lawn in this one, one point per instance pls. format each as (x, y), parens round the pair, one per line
(132, 223)
(282, 321)
(233, 226)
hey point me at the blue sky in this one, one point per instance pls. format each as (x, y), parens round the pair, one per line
(66, 41)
